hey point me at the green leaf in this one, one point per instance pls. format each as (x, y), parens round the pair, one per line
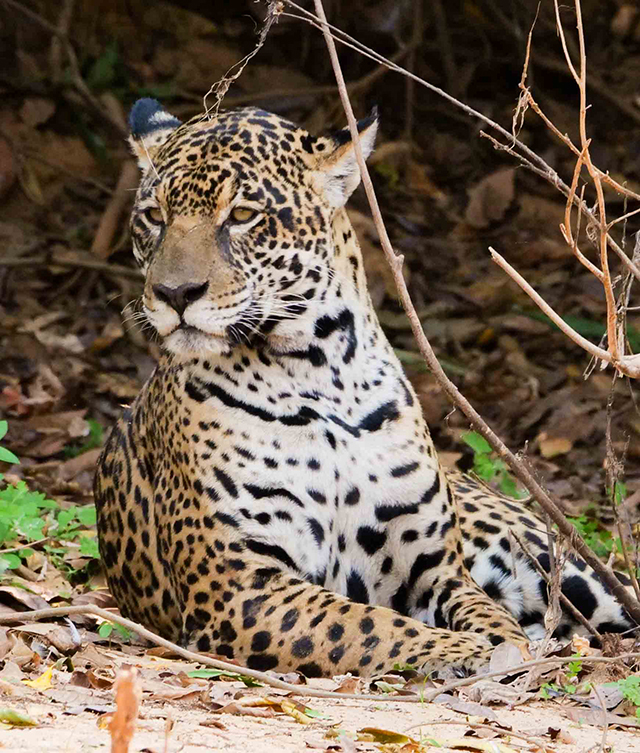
(87, 515)
(208, 674)
(89, 546)
(9, 561)
(484, 466)
(4, 427)
(31, 528)
(124, 633)
(6, 456)
(629, 687)
(5, 530)
(16, 718)
(105, 630)
(477, 442)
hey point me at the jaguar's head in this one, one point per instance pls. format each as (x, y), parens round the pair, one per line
(233, 223)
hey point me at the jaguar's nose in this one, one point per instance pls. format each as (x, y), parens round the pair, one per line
(179, 298)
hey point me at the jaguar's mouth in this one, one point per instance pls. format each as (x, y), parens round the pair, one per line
(187, 341)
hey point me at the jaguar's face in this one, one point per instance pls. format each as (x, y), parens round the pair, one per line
(232, 222)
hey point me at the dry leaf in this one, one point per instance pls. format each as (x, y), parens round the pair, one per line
(490, 198)
(240, 710)
(597, 717)
(13, 718)
(60, 637)
(295, 709)
(12, 597)
(43, 682)
(550, 447)
(470, 708)
(348, 685)
(384, 736)
(36, 110)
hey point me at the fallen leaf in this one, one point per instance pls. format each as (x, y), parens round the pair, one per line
(60, 637)
(550, 447)
(15, 718)
(295, 709)
(12, 597)
(240, 710)
(597, 717)
(348, 685)
(384, 736)
(36, 111)
(465, 707)
(490, 198)
(43, 682)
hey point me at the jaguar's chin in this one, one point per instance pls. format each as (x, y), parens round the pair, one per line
(188, 342)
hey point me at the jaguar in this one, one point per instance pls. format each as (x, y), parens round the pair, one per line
(273, 495)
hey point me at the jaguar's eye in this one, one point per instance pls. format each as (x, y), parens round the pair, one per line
(243, 214)
(154, 215)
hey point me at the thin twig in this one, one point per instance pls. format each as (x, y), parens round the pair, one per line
(520, 470)
(605, 717)
(585, 344)
(29, 545)
(568, 604)
(274, 9)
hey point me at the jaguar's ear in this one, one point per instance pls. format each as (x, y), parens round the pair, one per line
(338, 164)
(150, 125)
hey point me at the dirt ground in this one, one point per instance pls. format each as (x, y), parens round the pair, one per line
(72, 351)
(340, 725)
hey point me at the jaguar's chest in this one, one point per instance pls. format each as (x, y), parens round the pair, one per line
(303, 478)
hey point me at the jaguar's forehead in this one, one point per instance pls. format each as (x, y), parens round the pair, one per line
(247, 148)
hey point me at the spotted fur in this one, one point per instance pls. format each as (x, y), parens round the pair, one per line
(273, 495)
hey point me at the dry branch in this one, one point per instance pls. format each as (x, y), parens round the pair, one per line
(271, 681)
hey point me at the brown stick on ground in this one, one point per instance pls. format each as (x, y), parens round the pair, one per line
(122, 194)
(519, 469)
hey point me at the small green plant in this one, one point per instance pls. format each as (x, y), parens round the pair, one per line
(23, 515)
(106, 629)
(489, 467)
(6, 456)
(598, 538)
(27, 516)
(630, 689)
(619, 492)
(574, 667)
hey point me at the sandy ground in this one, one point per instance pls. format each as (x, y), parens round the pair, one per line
(59, 731)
